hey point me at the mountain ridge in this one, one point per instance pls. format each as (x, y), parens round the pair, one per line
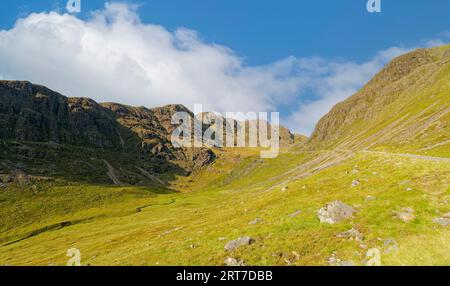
(393, 107)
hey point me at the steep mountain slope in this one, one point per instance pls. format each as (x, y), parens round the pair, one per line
(154, 129)
(38, 124)
(34, 113)
(405, 108)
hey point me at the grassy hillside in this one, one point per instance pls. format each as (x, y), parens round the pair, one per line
(405, 108)
(384, 152)
(184, 229)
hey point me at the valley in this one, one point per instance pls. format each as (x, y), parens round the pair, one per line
(105, 179)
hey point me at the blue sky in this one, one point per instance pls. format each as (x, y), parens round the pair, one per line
(263, 31)
(321, 38)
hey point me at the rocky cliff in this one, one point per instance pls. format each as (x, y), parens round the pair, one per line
(34, 113)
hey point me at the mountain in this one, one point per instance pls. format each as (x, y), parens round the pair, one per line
(31, 114)
(372, 179)
(34, 113)
(153, 128)
(285, 136)
(405, 107)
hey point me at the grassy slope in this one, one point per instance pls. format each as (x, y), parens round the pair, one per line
(406, 115)
(187, 231)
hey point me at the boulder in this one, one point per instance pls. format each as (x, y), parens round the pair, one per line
(335, 212)
(234, 244)
(351, 234)
(444, 221)
(406, 215)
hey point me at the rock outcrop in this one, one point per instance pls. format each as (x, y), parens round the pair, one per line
(335, 212)
(34, 113)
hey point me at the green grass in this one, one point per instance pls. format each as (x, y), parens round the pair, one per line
(69, 201)
(188, 231)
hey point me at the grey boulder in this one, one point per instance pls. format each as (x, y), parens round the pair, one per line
(335, 212)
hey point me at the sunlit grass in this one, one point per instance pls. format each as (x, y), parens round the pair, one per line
(188, 231)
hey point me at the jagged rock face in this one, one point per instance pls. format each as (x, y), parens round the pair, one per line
(94, 125)
(34, 113)
(151, 135)
(165, 113)
(154, 129)
(31, 112)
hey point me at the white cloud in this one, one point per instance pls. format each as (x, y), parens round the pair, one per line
(113, 56)
(333, 81)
